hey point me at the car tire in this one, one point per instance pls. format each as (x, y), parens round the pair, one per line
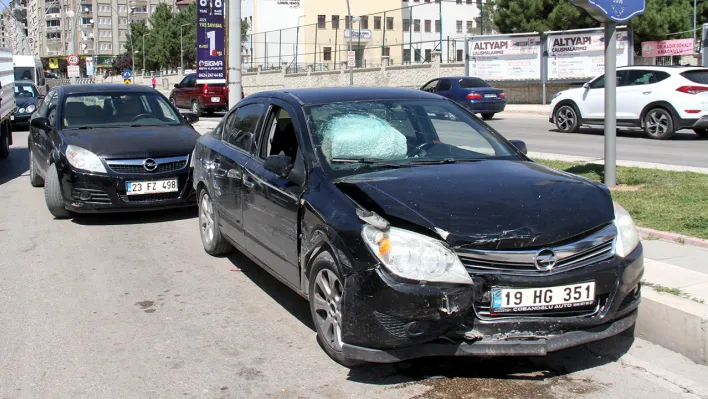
(566, 118)
(703, 132)
(209, 112)
(53, 196)
(196, 108)
(325, 294)
(487, 117)
(35, 179)
(173, 102)
(658, 124)
(214, 243)
(4, 144)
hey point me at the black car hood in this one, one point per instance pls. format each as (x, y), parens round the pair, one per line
(23, 102)
(491, 204)
(135, 142)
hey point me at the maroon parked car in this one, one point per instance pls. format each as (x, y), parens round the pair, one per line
(200, 98)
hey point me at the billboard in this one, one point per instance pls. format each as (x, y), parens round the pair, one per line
(581, 54)
(668, 47)
(499, 58)
(210, 41)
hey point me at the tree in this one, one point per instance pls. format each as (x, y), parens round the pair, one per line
(485, 20)
(121, 63)
(244, 29)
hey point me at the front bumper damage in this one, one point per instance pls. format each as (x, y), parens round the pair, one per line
(389, 321)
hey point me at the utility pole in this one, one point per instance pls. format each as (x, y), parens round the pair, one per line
(694, 25)
(146, 34)
(234, 52)
(181, 48)
(610, 103)
(71, 14)
(351, 35)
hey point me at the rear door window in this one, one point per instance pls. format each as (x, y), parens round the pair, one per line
(699, 76)
(444, 85)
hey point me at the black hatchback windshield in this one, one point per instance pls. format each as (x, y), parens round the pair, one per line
(96, 110)
(351, 136)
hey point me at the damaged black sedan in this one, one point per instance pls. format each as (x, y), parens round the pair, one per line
(413, 228)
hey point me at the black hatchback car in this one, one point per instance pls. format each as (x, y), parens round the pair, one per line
(111, 148)
(413, 228)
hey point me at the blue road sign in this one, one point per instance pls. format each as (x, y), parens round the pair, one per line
(127, 74)
(612, 10)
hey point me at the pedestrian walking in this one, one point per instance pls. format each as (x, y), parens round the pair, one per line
(154, 82)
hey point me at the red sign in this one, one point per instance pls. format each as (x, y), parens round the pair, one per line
(668, 47)
(72, 59)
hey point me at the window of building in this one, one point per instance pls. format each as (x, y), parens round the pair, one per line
(469, 1)
(459, 2)
(335, 21)
(460, 55)
(53, 35)
(427, 25)
(377, 23)
(321, 24)
(387, 51)
(416, 25)
(53, 10)
(106, 46)
(327, 54)
(53, 22)
(406, 24)
(364, 22)
(437, 26)
(470, 26)
(417, 55)
(122, 8)
(428, 55)
(459, 26)
(123, 21)
(389, 23)
(85, 20)
(406, 55)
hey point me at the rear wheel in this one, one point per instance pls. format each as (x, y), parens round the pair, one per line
(4, 144)
(658, 124)
(35, 179)
(196, 108)
(214, 243)
(326, 292)
(487, 117)
(53, 196)
(703, 132)
(566, 119)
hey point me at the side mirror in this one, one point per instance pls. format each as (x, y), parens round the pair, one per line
(40, 123)
(586, 85)
(520, 145)
(191, 117)
(40, 98)
(176, 85)
(281, 165)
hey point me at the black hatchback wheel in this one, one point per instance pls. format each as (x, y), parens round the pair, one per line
(214, 243)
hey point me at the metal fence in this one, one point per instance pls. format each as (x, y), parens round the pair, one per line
(406, 35)
(52, 83)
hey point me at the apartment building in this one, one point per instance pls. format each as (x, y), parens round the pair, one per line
(101, 26)
(5, 32)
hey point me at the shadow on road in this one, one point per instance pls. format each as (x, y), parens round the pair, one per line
(168, 215)
(282, 294)
(15, 165)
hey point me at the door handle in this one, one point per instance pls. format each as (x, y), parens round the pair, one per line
(218, 172)
(647, 92)
(248, 183)
(234, 174)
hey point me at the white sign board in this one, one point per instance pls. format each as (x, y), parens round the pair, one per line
(351, 58)
(581, 55)
(73, 71)
(505, 58)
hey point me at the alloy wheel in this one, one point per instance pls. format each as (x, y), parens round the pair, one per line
(565, 118)
(195, 107)
(657, 123)
(206, 219)
(327, 303)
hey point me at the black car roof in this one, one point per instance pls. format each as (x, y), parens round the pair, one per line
(93, 88)
(343, 94)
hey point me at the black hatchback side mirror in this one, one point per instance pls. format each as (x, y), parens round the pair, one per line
(520, 145)
(190, 117)
(40, 123)
(281, 165)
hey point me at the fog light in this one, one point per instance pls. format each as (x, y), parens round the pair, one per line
(414, 328)
(85, 196)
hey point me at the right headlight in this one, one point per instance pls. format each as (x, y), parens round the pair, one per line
(627, 235)
(415, 256)
(81, 158)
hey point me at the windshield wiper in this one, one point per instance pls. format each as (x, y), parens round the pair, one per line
(79, 128)
(442, 161)
(366, 161)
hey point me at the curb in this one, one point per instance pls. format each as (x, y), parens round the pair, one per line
(521, 111)
(675, 323)
(673, 237)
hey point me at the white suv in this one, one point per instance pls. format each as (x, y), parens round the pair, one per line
(660, 100)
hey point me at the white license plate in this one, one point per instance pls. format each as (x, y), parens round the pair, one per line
(215, 99)
(490, 96)
(151, 187)
(12, 117)
(542, 299)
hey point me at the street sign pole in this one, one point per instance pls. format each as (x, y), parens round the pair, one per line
(234, 53)
(351, 34)
(610, 103)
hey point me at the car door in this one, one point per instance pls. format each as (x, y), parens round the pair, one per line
(178, 92)
(444, 88)
(639, 88)
(271, 201)
(190, 92)
(41, 142)
(592, 103)
(228, 164)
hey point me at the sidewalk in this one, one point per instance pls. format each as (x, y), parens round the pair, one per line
(536, 109)
(675, 284)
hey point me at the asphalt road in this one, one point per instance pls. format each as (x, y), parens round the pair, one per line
(130, 306)
(685, 148)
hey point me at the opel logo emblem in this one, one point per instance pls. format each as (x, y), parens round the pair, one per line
(545, 260)
(150, 165)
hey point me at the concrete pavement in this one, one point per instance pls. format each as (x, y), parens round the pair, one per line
(130, 306)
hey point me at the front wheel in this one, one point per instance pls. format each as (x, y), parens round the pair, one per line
(703, 132)
(196, 108)
(53, 196)
(173, 101)
(566, 119)
(487, 117)
(35, 179)
(658, 124)
(212, 240)
(326, 292)
(4, 145)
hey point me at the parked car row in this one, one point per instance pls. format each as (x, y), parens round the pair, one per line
(411, 226)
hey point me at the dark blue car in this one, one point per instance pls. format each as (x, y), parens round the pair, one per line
(472, 93)
(26, 98)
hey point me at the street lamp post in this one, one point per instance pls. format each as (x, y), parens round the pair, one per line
(71, 15)
(181, 48)
(146, 34)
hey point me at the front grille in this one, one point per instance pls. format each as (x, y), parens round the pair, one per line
(90, 196)
(149, 197)
(135, 166)
(593, 248)
(482, 310)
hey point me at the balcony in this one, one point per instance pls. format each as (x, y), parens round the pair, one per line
(53, 16)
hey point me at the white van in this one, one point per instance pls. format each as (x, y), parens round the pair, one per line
(28, 67)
